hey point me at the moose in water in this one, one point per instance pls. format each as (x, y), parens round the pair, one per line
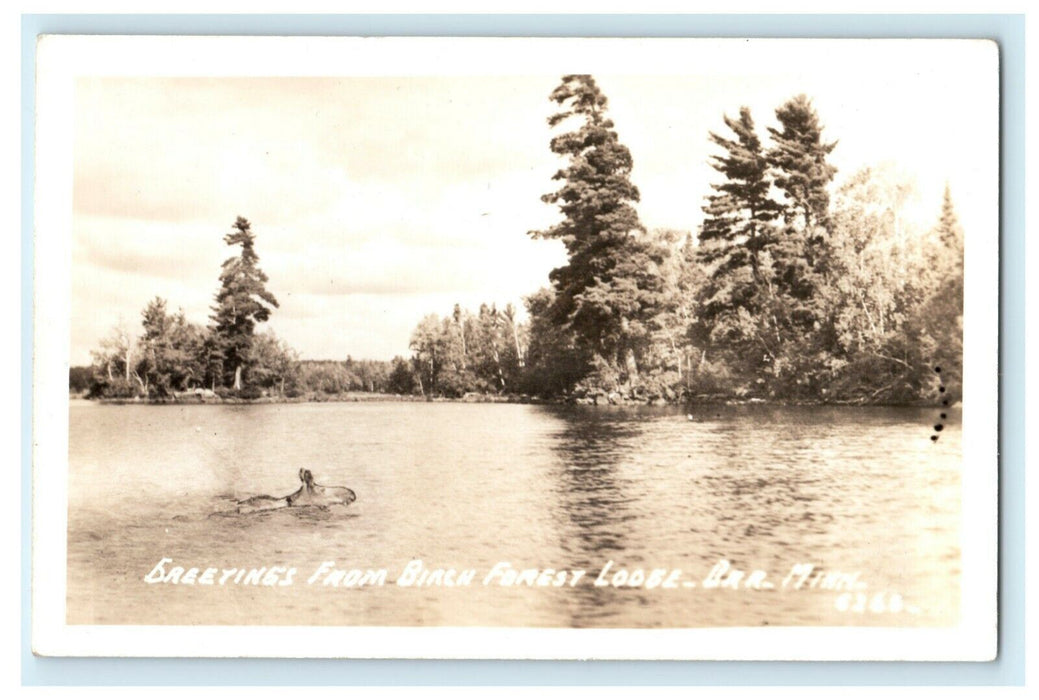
(310, 493)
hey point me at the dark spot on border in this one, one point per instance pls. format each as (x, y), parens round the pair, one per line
(938, 428)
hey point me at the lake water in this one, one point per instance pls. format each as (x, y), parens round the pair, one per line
(466, 486)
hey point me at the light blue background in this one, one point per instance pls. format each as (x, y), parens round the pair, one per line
(1008, 30)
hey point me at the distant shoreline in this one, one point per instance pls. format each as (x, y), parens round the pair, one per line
(601, 402)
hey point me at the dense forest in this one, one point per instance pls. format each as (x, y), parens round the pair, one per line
(795, 287)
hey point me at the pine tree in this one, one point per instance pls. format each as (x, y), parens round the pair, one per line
(607, 288)
(942, 313)
(950, 234)
(739, 214)
(734, 246)
(242, 302)
(801, 253)
(798, 157)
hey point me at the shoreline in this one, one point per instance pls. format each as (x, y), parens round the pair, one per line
(367, 397)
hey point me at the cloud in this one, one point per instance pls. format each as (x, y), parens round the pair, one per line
(280, 149)
(384, 278)
(378, 200)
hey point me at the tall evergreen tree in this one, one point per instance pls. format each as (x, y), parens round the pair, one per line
(607, 288)
(798, 157)
(950, 234)
(801, 253)
(242, 302)
(942, 313)
(734, 246)
(740, 211)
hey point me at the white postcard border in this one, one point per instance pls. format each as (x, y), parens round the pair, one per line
(62, 59)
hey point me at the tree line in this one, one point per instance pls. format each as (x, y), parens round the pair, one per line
(784, 292)
(168, 355)
(780, 294)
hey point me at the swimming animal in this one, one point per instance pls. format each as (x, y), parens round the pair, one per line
(314, 494)
(309, 494)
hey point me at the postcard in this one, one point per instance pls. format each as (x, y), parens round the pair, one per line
(516, 348)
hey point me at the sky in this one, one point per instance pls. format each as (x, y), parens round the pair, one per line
(378, 200)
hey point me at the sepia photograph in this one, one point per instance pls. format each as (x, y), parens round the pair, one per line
(516, 348)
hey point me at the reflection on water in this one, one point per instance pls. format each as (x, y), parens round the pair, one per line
(593, 499)
(468, 486)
